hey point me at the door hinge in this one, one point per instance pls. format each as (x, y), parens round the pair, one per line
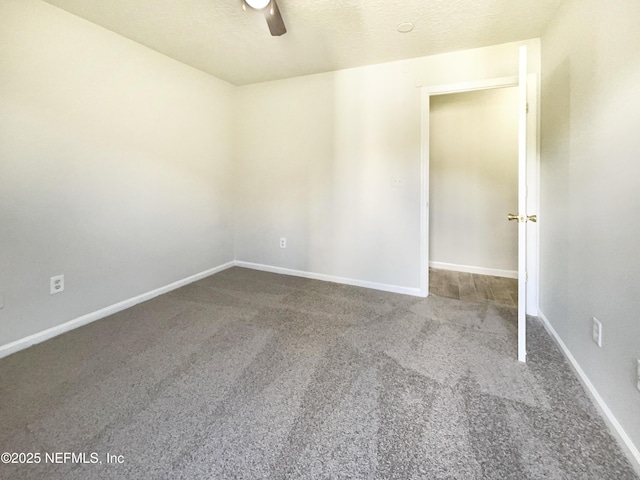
(527, 107)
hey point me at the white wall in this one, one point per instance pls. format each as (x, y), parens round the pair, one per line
(473, 178)
(590, 262)
(319, 172)
(316, 156)
(115, 166)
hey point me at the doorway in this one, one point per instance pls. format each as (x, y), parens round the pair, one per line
(473, 176)
(528, 185)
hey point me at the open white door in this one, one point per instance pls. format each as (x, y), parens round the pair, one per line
(521, 217)
(527, 161)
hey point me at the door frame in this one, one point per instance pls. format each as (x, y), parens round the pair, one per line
(533, 175)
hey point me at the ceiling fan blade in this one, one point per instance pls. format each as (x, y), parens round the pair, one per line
(274, 20)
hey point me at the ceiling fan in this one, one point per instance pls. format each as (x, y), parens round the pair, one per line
(271, 13)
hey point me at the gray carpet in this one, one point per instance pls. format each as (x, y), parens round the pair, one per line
(252, 375)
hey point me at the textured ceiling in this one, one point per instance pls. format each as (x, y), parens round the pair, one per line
(218, 37)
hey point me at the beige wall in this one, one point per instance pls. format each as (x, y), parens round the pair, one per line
(589, 223)
(115, 166)
(473, 179)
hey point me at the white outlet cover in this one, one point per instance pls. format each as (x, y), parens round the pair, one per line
(56, 284)
(596, 331)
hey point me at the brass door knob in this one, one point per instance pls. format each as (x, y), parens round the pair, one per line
(522, 218)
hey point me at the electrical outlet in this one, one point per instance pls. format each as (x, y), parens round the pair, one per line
(396, 182)
(596, 331)
(56, 284)
(283, 242)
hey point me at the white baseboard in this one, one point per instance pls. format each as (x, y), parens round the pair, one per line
(26, 342)
(330, 278)
(470, 269)
(39, 337)
(614, 426)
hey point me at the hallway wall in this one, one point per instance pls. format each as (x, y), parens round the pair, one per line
(473, 176)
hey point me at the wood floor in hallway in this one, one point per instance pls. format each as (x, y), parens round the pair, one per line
(473, 287)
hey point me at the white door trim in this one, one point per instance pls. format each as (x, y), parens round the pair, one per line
(533, 175)
(461, 87)
(522, 203)
(424, 192)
